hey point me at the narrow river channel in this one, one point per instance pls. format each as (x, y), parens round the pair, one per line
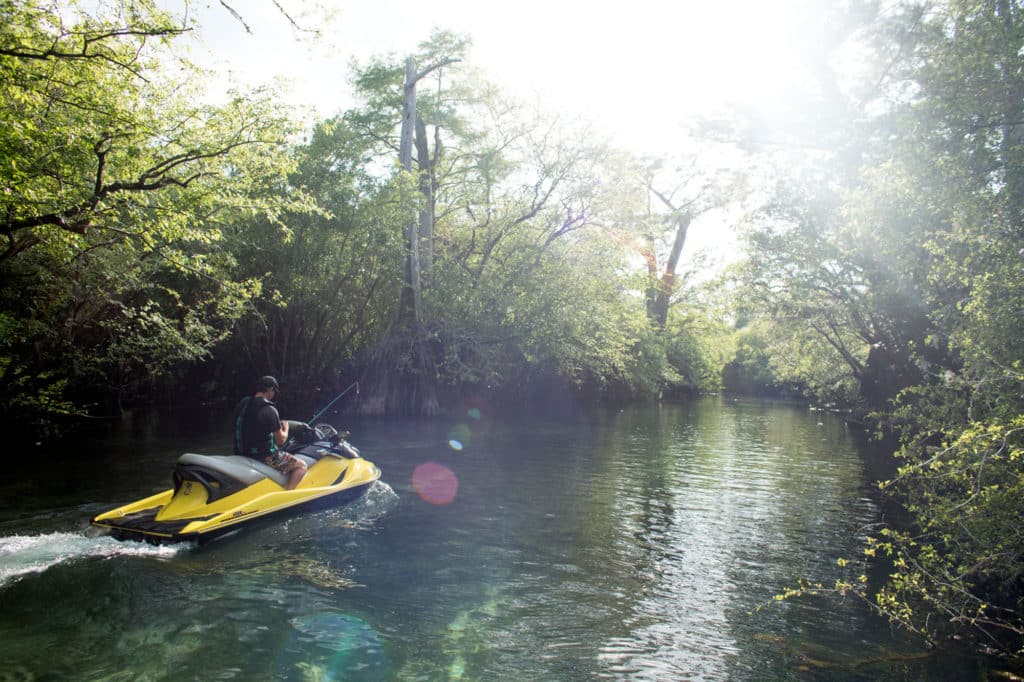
(638, 544)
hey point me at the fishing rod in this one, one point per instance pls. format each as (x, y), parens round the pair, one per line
(355, 385)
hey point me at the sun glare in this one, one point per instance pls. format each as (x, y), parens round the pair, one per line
(644, 69)
(639, 70)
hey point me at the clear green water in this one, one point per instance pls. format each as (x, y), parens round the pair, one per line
(635, 544)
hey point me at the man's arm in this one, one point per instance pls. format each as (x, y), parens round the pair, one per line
(281, 435)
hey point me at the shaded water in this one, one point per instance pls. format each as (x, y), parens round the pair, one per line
(639, 544)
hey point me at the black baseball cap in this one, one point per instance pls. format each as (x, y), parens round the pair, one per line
(268, 382)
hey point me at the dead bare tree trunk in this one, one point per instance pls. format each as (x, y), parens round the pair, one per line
(395, 387)
(411, 303)
(667, 284)
(660, 300)
(427, 165)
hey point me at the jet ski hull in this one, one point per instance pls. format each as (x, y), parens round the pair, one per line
(216, 495)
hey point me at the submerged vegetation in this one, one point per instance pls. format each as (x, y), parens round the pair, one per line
(153, 245)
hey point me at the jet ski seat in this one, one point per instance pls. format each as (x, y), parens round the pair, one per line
(246, 470)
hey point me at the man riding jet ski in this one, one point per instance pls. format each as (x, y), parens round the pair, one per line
(212, 495)
(259, 432)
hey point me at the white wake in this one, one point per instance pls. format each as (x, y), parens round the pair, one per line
(21, 555)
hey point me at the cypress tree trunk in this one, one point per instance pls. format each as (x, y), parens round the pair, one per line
(667, 285)
(428, 186)
(401, 375)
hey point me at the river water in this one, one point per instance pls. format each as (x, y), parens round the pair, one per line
(640, 544)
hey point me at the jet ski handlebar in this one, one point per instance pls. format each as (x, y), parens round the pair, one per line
(301, 432)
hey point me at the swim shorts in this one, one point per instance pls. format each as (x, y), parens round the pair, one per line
(282, 461)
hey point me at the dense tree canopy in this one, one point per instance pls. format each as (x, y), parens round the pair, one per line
(117, 185)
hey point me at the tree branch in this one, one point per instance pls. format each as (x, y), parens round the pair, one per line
(236, 15)
(292, 21)
(76, 219)
(445, 62)
(92, 47)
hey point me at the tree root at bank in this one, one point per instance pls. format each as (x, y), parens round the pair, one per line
(400, 377)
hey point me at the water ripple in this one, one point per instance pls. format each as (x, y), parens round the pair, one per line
(639, 545)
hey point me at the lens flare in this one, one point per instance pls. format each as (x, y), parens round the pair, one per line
(435, 483)
(331, 646)
(474, 413)
(454, 444)
(461, 434)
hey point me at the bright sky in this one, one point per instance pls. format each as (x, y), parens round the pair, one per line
(639, 69)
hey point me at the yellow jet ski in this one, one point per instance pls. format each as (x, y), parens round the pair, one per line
(213, 495)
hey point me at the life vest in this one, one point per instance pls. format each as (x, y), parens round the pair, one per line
(252, 439)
